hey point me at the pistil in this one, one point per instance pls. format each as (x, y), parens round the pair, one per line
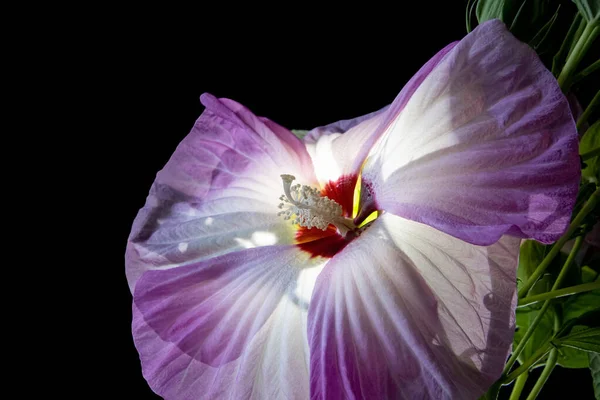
(305, 206)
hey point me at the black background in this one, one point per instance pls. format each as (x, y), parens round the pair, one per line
(299, 66)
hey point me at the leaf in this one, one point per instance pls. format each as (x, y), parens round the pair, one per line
(595, 370)
(580, 309)
(589, 142)
(574, 308)
(588, 274)
(543, 332)
(491, 9)
(519, 15)
(588, 319)
(572, 358)
(585, 339)
(590, 9)
(579, 304)
(531, 255)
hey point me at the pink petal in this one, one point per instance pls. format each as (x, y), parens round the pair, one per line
(232, 326)
(219, 191)
(485, 146)
(335, 155)
(407, 312)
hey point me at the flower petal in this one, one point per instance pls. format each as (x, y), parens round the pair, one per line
(232, 326)
(219, 191)
(485, 146)
(340, 148)
(406, 311)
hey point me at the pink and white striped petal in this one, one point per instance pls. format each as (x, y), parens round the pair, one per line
(410, 312)
(232, 326)
(485, 146)
(219, 191)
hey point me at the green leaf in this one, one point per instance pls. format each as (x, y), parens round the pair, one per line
(584, 339)
(531, 255)
(574, 308)
(299, 133)
(573, 358)
(579, 309)
(491, 9)
(543, 332)
(595, 370)
(518, 15)
(588, 274)
(589, 142)
(579, 304)
(588, 319)
(590, 9)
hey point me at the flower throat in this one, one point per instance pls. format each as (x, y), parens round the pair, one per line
(310, 209)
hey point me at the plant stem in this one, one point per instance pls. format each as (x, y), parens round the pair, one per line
(573, 34)
(525, 338)
(563, 272)
(519, 385)
(586, 71)
(538, 317)
(469, 12)
(551, 362)
(585, 210)
(514, 21)
(586, 287)
(544, 30)
(552, 358)
(588, 111)
(524, 367)
(573, 60)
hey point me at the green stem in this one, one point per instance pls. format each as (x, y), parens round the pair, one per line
(514, 21)
(545, 30)
(585, 210)
(588, 111)
(557, 283)
(565, 268)
(573, 34)
(586, 287)
(524, 368)
(536, 321)
(519, 385)
(590, 154)
(573, 60)
(550, 363)
(493, 391)
(586, 71)
(469, 12)
(582, 24)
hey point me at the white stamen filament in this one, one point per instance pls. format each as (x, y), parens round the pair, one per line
(310, 209)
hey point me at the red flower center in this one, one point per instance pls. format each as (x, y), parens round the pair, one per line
(329, 242)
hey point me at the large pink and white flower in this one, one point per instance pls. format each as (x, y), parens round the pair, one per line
(233, 301)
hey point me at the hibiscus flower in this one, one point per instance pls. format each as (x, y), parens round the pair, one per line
(374, 259)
